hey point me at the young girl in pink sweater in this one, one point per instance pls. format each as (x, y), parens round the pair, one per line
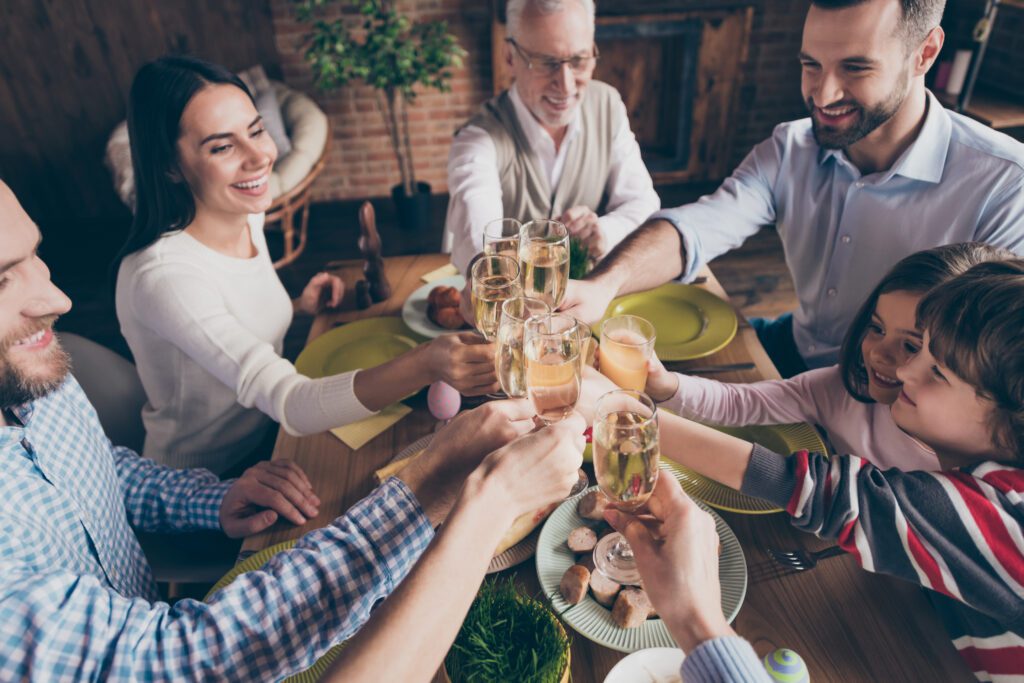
(851, 400)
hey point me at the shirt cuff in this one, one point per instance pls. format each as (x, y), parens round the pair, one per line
(728, 659)
(770, 476)
(203, 508)
(691, 243)
(339, 397)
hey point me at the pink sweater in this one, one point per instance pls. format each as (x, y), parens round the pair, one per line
(817, 396)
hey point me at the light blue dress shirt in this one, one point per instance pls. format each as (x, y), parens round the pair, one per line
(842, 231)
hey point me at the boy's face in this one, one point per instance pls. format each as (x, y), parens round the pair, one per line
(32, 362)
(945, 412)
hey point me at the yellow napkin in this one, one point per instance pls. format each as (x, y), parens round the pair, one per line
(443, 271)
(358, 434)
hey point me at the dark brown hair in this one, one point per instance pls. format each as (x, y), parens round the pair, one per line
(917, 274)
(917, 19)
(976, 327)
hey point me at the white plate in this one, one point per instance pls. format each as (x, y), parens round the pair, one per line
(414, 310)
(653, 665)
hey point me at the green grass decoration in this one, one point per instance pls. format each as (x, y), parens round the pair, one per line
(579, 259)
(508, 637)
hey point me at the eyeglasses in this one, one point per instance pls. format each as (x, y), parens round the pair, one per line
(549, 67)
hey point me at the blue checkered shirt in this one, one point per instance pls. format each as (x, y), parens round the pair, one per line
(77, 599)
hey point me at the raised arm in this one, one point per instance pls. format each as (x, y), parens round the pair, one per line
(265, 625)
(475, 191)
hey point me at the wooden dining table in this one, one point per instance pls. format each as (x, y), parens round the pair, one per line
(848, 624)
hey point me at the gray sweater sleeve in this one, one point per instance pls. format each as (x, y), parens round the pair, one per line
(723, 660)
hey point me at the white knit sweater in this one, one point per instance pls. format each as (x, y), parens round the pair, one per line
(207, 332)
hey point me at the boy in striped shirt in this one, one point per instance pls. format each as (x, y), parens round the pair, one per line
(958, 532)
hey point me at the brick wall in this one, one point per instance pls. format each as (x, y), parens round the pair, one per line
(362, 165)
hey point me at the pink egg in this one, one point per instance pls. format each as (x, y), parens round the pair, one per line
(443, 401)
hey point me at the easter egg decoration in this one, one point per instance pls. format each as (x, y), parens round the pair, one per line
(786, 666)
(443, 401)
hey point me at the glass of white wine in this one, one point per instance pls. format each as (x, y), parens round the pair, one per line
(509, 364)
(627, 342)
(544, 256)
(495, 280)
(626, 453)
(501, 237)
(551, 345)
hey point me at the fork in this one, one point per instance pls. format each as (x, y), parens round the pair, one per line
(801, 560)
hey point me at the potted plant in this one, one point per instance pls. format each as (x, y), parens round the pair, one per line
(393, 55)
(508, 636)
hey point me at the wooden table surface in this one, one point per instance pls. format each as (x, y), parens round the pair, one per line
(849, 625)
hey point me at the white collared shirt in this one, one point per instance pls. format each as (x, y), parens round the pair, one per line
(475, 187)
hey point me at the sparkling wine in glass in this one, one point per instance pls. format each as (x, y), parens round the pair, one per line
(501, 237)
(626, 453)
(627, 342)
(544, 258)
(553, 368)
(495, 280)
(509, 363)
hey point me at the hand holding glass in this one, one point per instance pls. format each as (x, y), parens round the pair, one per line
(626, 454)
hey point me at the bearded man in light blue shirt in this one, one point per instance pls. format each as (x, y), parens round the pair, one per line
(879, 171)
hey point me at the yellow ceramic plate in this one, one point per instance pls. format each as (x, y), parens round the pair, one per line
(783, 439)
(356, 346)
(691, 322)
(254, 562)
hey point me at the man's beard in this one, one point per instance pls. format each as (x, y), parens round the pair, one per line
(868, 119)
(18, 386)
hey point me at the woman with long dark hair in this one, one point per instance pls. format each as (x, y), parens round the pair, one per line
(199, 301)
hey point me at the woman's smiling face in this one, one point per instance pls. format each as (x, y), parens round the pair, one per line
(224, 152)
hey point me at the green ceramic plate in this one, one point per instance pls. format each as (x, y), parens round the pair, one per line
(779, 438)
(355, 346)
(593, 621)
(254, 562)
(691, 322)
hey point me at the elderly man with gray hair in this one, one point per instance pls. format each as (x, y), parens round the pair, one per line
(557, 144)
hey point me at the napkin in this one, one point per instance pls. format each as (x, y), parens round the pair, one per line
(358, 434)
(443, 271)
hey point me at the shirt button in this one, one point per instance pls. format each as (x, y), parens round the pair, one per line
(859, 184)
(845, 239)
(831, 291)
(812, 347)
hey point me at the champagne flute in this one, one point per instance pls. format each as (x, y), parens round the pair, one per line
(627, 342)
(626, 455)
(495, 280)
(501, 236)
(544, 255)
(553, 369)
(509, 363)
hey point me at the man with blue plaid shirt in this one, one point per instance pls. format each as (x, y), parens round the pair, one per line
(77, 598)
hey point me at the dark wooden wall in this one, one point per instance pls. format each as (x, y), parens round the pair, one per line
(65, 70)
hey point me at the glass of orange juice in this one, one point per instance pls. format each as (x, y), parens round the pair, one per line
(627, 342)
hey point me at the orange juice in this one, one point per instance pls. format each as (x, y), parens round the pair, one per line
(624, 355)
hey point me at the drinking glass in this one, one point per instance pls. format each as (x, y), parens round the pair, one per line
(509, 363)
(495, 280)
(553, 369)
(544, 256)
(627, 342)
(625, 442)
(501, 237)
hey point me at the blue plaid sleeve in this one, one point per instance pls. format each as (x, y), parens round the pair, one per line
(159, 498)
(267, 624)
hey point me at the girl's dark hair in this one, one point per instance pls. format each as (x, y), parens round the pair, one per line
(916, 273)
(160, 92)
(976, 328)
